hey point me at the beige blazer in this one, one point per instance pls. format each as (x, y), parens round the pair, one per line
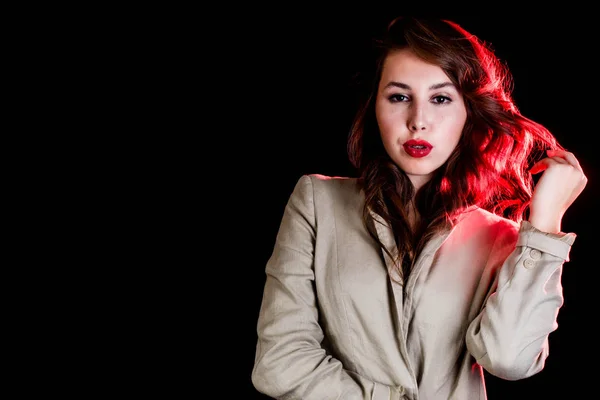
(333, 325)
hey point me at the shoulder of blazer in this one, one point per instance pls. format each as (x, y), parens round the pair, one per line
(334, 186)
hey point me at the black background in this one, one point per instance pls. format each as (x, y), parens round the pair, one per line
(287, 100)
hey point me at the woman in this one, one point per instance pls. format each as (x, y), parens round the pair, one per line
(442, 258)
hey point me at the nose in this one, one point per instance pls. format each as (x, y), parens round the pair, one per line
(417, 126)
(417, 121)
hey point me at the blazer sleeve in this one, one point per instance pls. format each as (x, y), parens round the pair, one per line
(290, 362)
(509, 338)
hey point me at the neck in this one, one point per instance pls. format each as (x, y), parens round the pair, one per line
(413, 216)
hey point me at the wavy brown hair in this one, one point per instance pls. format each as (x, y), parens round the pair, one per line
(488, 168)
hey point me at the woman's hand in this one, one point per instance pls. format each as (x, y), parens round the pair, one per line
(561, 183)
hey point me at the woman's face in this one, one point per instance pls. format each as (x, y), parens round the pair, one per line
(420, 115)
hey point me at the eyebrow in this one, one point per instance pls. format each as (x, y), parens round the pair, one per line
(407, 87)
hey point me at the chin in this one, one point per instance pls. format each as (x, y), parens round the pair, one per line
(420, 171)
(420, 175)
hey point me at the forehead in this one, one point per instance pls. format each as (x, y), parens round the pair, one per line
(404, 66)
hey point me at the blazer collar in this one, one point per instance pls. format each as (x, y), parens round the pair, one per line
(386, 235)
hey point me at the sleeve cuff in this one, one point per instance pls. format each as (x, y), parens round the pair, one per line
(557, 244)
(568, 238)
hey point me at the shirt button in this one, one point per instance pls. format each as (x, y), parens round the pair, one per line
(535, 254)
(528, 263)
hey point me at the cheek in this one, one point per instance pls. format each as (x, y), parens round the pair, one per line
(453, 132)
(454, 123)
(387, 132)
(387, 120)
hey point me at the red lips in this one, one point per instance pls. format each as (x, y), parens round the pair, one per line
(417, 148)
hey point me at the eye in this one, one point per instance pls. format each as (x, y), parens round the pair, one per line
(442, 99)
(397, 98)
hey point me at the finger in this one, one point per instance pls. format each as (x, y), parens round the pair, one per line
(559, 160)
(567, 155)
(544, 163)
(539, 166)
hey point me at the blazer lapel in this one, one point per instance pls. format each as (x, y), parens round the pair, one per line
(385, 234)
